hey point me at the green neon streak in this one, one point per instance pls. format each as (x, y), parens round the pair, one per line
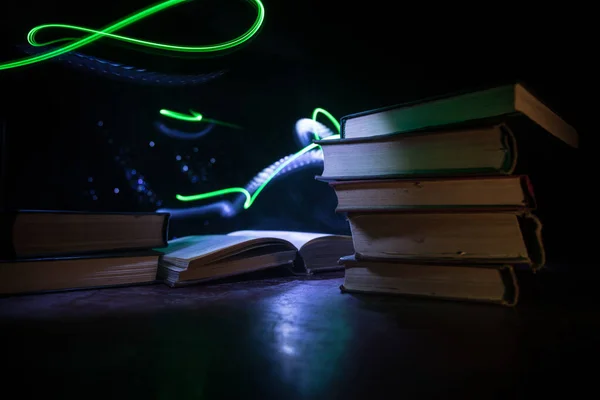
(195, 117)
(107, 32)
(282, 166)
(251, 198)
(221, 192)
(327, 114)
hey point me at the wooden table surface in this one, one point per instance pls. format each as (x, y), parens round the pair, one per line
(290, 338)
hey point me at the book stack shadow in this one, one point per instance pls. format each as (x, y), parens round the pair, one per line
(439, 194)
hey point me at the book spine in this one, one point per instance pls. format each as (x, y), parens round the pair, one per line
(531, 229)
(511, 285)
(510, 147)
(528, 192)
(343, 127)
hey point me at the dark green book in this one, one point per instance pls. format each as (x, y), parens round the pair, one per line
(496, 103)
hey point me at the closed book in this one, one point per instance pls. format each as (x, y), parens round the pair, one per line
(449, 237)
(27, 234)
(65, 273)
(462, 193)
(516, 148)
(473, 151)
(509, 101)
(478, 283)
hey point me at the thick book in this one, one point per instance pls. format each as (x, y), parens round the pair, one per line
(194, 259)
(471, 193)
(473, 151)
(449, 237)
(27, 234)
(499, 102)
(52, 274)
(483, 283)
(515, 148)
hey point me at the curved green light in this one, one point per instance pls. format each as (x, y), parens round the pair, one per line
(195, 117)
(221, 192)
(251, 198)
(326, 113)
(107, 32)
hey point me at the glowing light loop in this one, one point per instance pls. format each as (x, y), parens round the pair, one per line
(330, 117)
(195, 117)
(251, 197)
(108, 32)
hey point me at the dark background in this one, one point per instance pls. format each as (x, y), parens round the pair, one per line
(344, 57)
(73, 133)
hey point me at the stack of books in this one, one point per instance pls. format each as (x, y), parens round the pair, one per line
(51, 250)
(43, 251)
(439, 193)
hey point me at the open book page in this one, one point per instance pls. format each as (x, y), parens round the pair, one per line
(298, 239)
(194, 247)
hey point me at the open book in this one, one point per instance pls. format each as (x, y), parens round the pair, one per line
(198, 258)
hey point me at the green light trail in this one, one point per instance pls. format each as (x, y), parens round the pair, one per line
(108, 32)
(195, 117)
(251, 198)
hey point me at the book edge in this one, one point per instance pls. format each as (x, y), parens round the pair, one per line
(426, 100)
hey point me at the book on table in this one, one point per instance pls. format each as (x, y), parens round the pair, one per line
(200, 258)
(30, 233)
(439, 193)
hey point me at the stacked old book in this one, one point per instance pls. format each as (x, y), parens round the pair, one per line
(44, 251)
(57, 250)
(439, 193)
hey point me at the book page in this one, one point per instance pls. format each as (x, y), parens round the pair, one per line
(298, 239)
(194, 247)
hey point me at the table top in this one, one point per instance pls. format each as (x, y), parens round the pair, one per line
(287, 338)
